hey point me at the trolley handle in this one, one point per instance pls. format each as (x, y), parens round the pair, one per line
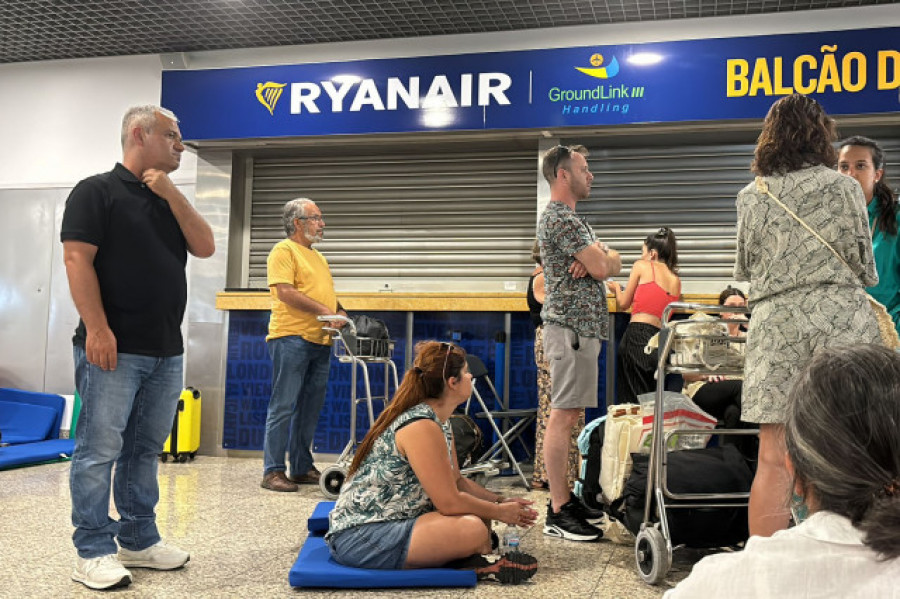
(337, 318)
(707, 308)
(668, 324)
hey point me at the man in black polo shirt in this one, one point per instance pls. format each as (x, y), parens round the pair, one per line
(126, 234)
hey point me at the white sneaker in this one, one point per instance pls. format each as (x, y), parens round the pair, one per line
(104, 572)
(158, 557)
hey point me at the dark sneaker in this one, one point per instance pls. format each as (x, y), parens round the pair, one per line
(568, 524)
(513, 568)
(588, 514)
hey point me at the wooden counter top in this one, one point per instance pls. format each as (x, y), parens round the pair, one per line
(414, 302)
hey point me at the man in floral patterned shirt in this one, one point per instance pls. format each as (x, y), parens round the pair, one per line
(575, 323)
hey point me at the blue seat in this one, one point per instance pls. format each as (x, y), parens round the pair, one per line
(25, 423)
(29, 423)
(46, 400)
(35, 453)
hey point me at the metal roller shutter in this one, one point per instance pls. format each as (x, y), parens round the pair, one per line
(690, 189)
(448, 220)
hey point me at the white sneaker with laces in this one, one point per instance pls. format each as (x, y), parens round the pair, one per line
(157, 557)
(104, 572)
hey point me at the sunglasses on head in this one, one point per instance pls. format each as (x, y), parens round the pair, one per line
(449, 347)
(561, 152)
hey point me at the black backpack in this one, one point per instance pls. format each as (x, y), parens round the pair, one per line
(708, 470)
(467, 437)
(591, 493)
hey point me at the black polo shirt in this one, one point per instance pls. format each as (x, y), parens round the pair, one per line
(141, 255)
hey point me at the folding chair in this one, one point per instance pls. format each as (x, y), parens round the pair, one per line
(513, 423)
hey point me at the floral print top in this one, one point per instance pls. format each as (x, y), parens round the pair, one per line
(385, 487)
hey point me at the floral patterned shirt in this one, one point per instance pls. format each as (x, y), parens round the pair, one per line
(385, 488)
(577, 304)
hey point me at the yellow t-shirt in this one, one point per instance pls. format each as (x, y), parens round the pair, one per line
(307, 271)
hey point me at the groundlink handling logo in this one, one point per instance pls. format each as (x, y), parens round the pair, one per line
(268, 93)
(600, 98)
(600, 72)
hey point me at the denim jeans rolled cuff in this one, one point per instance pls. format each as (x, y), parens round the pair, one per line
(126, 415)
(299, 383)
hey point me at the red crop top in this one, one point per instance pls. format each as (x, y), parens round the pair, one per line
(652, 299)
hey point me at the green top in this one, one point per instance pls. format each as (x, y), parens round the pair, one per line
(887, 261)
(385, 487)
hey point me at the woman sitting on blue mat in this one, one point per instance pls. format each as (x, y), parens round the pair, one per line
(404, 503)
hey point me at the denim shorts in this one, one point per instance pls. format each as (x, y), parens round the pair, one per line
(380, 545)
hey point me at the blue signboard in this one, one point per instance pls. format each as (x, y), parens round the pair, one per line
(850, 72)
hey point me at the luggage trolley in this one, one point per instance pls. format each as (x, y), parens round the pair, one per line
(653, 543)
(360, 353)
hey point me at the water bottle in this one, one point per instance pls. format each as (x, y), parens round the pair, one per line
(510, 539)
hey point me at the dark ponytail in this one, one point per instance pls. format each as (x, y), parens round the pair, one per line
(883, 194)
(666, 246)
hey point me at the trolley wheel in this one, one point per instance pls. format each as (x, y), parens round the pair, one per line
(332, 480)
(651, 554)
(164, 458)
(182, 458)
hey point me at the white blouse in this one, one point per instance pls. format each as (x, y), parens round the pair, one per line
(822, 557)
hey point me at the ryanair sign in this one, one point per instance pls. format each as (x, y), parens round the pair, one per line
(854, 71)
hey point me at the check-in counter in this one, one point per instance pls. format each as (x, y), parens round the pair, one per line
(494, 326)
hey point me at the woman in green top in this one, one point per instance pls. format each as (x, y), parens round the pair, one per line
(404, 503)
(863, 159)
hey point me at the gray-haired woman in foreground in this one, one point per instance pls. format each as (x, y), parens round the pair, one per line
(843, 441)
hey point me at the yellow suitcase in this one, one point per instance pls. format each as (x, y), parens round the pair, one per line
(184, 440)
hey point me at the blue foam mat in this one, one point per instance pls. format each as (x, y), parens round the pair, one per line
(35, 453)
(315, 568)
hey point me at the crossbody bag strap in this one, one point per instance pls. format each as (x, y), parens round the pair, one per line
(763, 187)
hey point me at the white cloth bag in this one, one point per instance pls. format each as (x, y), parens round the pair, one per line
(621, 438)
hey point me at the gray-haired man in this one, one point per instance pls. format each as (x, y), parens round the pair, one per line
(301, 289)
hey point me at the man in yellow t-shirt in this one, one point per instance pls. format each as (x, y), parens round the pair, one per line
(302, 289)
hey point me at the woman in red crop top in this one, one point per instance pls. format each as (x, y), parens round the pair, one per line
(653, 285)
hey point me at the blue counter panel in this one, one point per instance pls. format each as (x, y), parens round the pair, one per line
(248, 383)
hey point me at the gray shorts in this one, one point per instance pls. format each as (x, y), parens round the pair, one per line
(380, 545)
(573, 367)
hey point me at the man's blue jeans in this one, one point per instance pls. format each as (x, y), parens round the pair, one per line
(299, 381)
(126, 415)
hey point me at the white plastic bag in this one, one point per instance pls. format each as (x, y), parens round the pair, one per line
(680, 411)
(621, 438)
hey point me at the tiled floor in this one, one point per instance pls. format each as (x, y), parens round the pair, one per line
(243, 540)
